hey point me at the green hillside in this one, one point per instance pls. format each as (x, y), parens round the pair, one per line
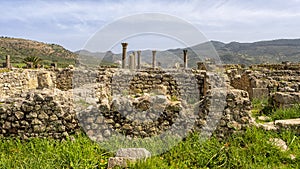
(19, 49)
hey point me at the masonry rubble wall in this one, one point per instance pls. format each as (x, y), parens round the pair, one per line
(40, 103)
(269, 81)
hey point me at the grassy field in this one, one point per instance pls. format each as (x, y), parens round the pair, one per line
(50, 153)
(245, 150)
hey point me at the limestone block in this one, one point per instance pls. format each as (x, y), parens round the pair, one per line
(293, 124)
(135, 153)
(125, 155)
(260, 93)
(44, 80)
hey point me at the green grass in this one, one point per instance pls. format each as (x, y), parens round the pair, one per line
(286, 113)
(262, 108)
(248, 150)
(49, 153)
(245, 150)
(258, 106)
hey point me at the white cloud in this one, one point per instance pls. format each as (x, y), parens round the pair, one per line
(83, 18)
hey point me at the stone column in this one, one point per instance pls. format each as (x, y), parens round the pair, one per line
(185, 58)
(139, 60)
(132, 61)
(8, 65)
(124, 45)
(153, 59)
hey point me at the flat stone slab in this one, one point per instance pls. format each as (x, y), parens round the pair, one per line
(267, 126)
(288, 122)
(279, 143)
(136, 153)
(264, 118)
(125, 155)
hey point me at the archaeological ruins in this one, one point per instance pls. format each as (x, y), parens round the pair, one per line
(54, 103)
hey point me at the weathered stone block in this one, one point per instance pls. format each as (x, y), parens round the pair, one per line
(260, 93)
(44, 80)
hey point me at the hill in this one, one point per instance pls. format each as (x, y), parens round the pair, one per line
(274, 51)
(19, 49)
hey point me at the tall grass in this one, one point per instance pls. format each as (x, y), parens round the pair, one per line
(49, 153)
(251, 149)
(262, 108)
(286, 113)
(248, 150)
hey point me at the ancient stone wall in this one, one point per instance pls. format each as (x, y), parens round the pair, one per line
(176, 83)
(141, 105)
(69, 78)
(15, 82)
(42, 102)
(46, 113)
(283, 66)
(269, 81)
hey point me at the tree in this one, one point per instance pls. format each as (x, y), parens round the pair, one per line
(32, 61)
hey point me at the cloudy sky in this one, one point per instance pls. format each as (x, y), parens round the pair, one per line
(71, 23)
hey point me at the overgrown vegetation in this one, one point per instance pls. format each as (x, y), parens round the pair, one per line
(261, 107)
(286, 113)
(32, 60)
(19, 49)
(251, 149)
(49, 153)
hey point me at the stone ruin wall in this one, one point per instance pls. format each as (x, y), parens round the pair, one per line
(39, 103)
(280, 83)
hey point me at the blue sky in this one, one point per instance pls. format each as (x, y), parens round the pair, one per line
(71, 23)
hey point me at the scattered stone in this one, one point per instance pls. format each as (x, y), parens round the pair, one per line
(267, 126)
(292, 156)
(19, 115)
(279, 143)
(126, 155)
(290, 124)
(264, 118)
(135, 153)
(119, 161)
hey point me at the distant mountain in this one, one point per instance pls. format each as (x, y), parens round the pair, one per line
(18, 49)
(273, 51)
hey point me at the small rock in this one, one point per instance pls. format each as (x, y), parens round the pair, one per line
(127, 127)
(135, 153)
(36, 121)
(7, 125)
(279, 143)
(118, 161)
(235, 125)
(264, 118)
(53, 117)
(292, 156)
(43, 116)
(31, 115)
(38, 97)
(19, 115)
